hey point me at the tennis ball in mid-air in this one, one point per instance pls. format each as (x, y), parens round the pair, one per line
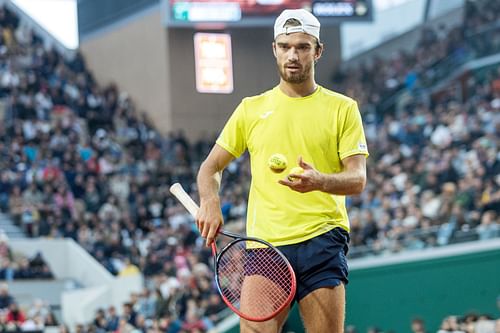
(295, 171)
(277, 163)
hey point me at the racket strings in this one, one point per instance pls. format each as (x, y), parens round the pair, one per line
(254, 278)
(276, 270)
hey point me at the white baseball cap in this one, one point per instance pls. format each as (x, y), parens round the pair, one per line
(309, 24)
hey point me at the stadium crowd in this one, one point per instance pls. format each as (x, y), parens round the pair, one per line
(78, 160)
(14, 318)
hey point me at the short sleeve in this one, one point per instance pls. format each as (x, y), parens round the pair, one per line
(352, 139)
(233, 135)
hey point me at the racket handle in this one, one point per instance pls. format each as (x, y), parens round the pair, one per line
(184, 198)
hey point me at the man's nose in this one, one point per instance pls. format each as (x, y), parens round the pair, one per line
(293, 54)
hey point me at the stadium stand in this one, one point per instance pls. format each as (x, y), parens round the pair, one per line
(79, 161)
(34, 317)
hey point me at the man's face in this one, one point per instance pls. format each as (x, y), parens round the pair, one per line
(295, 56)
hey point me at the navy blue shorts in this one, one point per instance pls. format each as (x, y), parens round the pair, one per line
(319, 262)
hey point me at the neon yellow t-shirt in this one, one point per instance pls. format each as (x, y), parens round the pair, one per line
(324, 128)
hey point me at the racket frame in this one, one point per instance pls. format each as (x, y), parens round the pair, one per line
(218, 255)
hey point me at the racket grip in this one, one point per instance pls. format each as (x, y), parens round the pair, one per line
(184, 198)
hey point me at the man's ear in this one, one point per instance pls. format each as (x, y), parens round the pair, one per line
(274, 49)
(319, 51)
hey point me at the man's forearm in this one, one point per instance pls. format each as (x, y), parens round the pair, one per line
(343, 183)
(210, 173)
(208, 181)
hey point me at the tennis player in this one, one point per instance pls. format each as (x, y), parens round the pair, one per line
(306, 218)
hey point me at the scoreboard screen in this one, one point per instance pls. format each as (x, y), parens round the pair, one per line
(262, 12)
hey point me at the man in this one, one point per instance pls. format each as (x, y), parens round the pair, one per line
(306, 218)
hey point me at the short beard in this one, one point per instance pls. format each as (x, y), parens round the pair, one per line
(296, 78)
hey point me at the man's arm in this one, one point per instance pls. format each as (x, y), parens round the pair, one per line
(209, 217)
(350, 181)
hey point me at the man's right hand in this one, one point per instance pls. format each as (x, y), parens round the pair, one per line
(209, 219)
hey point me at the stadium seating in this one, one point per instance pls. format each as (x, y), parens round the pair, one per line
(79, 161)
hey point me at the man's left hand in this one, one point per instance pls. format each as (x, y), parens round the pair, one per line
(310, 180)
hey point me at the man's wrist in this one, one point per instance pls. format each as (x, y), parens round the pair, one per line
(210, 200)
(323, 182)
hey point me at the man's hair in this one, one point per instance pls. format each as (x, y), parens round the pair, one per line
(292, 23)
(296, 23)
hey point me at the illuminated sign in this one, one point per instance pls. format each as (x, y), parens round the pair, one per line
(214, 64)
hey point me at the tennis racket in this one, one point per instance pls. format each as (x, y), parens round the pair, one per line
(254, 278)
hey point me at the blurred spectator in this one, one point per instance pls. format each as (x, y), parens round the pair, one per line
(33, 324)
(450, 324)
(124, 326)
(147, 303)
(418, 326)
(128, 269)
(489, 227)
(50, 320)
(214, 308)
(100, 320)
(129, 313)
(112, 320)
(5, 298)
(350, 329)
(16, 204)
(15, 315)
(484, 324)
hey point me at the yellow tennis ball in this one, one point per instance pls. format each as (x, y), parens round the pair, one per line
(295, 171)
(277, 163)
